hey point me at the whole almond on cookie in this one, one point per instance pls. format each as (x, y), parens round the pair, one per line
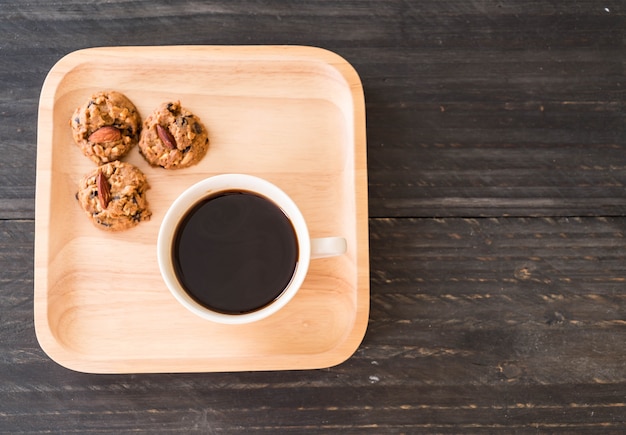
(105, 134)
(104, 190)
(166, 137)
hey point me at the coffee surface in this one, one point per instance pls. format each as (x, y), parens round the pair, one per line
(235, 252)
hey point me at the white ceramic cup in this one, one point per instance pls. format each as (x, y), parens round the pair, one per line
(308, 248)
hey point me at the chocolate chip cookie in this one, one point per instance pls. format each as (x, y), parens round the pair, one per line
(106, 126)
(114, 196)
(173, 137)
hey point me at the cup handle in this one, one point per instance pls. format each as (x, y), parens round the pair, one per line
(328, 247)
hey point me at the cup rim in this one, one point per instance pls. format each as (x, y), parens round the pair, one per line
(208, 187)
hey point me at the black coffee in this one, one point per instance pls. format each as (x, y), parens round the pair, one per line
(235, 252)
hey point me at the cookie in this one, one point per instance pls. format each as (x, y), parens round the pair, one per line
(114, 196)
(172, 137)
(106, 126)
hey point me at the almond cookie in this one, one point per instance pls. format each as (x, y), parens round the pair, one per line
(114, 196)
(172, 137)
(106, 126)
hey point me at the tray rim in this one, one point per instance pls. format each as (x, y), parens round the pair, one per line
(44, 333)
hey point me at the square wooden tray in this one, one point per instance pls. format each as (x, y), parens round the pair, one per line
(293, 115)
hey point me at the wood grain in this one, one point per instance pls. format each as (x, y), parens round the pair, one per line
(495, 348)
(543, 297)
(546, 94)
(496, 196)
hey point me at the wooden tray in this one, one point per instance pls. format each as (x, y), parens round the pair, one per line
(293, 115)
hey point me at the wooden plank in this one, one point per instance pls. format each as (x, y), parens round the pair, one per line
(492, 135)
(521, 115)
(476, 325)
(522, 300)
(407, 411)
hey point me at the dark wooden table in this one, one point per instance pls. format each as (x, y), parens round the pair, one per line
(497, 202)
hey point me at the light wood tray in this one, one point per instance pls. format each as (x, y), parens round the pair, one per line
(293, 115)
